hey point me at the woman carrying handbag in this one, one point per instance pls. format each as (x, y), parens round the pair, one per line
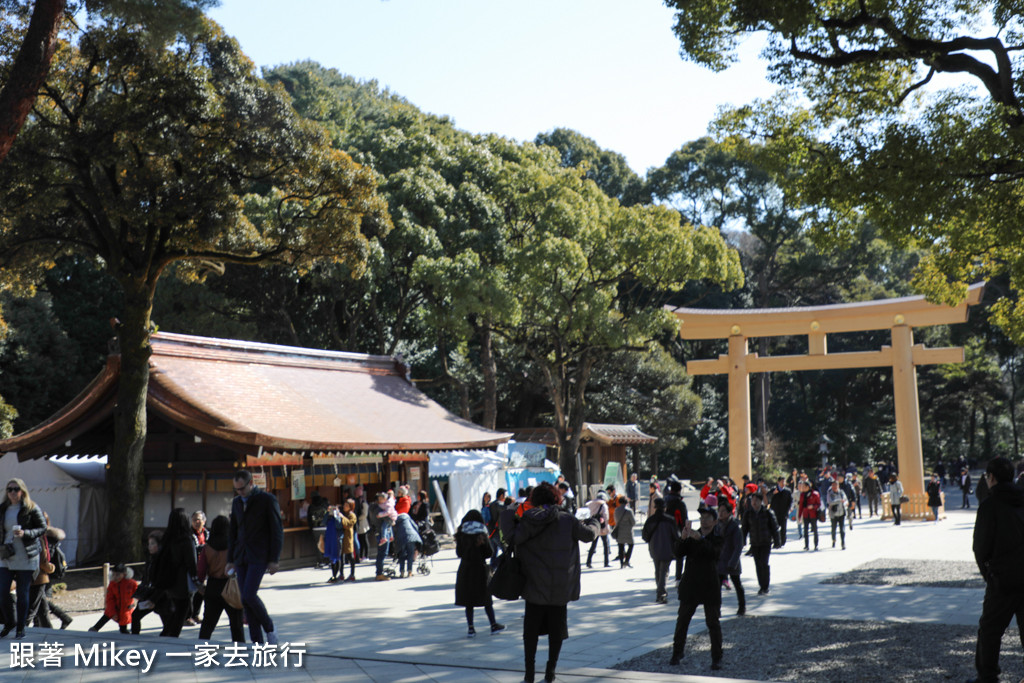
(212, 565)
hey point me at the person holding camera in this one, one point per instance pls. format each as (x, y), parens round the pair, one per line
(21, 525)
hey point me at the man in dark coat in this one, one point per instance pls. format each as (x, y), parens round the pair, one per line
(700, 586)
(732, 548)
(497, 507)
(760, 527)
(254, 548)
(872, 487)
(999, 551)
(781, 502)
(676, 509)
(965, 488)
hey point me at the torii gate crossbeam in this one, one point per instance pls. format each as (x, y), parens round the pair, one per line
(900, 316)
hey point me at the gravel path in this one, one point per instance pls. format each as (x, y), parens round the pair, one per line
(936, 574)
(817, 650)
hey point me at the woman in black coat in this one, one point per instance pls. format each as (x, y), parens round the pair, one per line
(176, 574)
(547, 542)
(473, 548)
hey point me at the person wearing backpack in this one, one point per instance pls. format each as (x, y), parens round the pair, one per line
(837, 504)
(599, 511)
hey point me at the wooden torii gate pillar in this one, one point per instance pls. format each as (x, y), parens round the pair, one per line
(900, 316)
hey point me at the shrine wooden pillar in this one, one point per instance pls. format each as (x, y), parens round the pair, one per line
(739, 409)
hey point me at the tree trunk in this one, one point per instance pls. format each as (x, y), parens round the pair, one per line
(29, 71)
(489, 367)
(1012, 404)
(125, 478)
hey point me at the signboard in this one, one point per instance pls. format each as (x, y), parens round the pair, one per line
(260, 479)
(613, 477)
(298, 484)
(523, 454)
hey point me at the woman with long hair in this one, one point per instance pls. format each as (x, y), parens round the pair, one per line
(213, 564)
(21, 525)
(485, 509)
(177, 571)
(473, 548)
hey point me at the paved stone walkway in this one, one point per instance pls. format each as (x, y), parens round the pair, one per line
(408, 630)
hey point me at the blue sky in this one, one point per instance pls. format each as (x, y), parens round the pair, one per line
(607, 68)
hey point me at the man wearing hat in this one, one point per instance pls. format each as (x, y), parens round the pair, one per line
(700, 585)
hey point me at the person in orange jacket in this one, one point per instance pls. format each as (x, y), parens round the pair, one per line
(120, 599)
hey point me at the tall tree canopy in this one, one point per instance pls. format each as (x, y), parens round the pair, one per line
(886, 136)
(144, 158)
(23, 75)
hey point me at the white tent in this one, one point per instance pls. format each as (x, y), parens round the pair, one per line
(470, 475)
(68, 491)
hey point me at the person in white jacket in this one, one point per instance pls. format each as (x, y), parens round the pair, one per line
(895, 496)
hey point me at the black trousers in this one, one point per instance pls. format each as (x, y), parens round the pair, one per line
(38, 607)
(997, 610)
(537, 621)
(810, 523)
(839, 522)
(741, 596)
(174, 619)
(593, 547)
(625, 552)
(713, 618)
(761, 555)
(782, 518)
(214, 606)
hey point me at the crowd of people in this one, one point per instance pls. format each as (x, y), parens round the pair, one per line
(194, 570)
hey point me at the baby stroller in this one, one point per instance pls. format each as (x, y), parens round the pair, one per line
(424, 556)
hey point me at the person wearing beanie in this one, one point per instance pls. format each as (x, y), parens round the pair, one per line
(120, 599)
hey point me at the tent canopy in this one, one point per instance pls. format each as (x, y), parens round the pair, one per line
(66, 491)
(443, 463)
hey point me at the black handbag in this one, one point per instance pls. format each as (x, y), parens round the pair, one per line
(508, 580)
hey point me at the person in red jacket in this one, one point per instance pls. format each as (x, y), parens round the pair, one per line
(404, 502)
(810, 501)
(120, 599)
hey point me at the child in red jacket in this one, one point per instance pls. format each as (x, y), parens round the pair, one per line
(120, 598)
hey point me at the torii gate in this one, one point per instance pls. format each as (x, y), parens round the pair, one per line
(900, 316)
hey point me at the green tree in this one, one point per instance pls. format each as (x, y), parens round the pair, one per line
(609, 170)
(578, 262)
(932, 167)
(24, 74)
(145, 158)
